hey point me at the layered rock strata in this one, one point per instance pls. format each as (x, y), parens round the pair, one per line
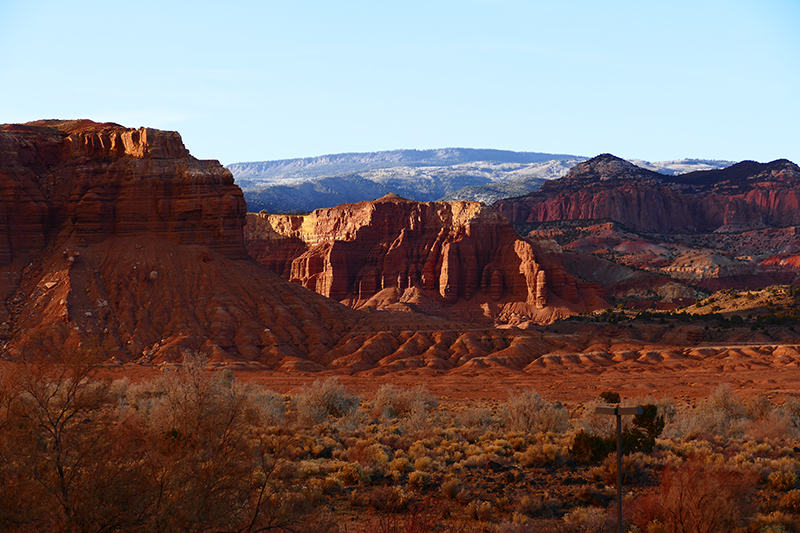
(462, 255)
(103, 180)
(743, 196)
(117, 240)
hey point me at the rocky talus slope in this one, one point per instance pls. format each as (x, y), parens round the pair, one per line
(444, 258)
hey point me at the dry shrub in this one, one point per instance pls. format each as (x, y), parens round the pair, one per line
(388, 498)
(399, 467)
(542, 453)
(775, 522)
(634, 469)
(421, 517)
(774, 528)
(721, 414)
(324, 400)
(185, 452)
(366, 453)
(758, 407)
(522, 524)
(593, 423)
(419, 480)
(791, 501)
(589, 520)
(782, 481)
(791, 410)
(477, 419)
(528, 412)
(479, 510)
(775, 425)
(271, 405)
(697, 497)
(542, 505)
(423, 463)
(352, 474)
(393, 402)
(451, 488)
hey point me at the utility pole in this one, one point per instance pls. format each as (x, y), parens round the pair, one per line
(618, 412)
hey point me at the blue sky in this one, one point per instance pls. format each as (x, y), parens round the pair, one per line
(251, 81)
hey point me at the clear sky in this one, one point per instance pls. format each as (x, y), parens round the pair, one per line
(259, 80)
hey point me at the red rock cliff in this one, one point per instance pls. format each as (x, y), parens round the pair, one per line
(102, 180)
(118, 240)
(460, 254)
(745, 195)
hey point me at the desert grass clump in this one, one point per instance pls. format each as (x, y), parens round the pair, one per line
(324, 400)
(529, 412)
(423, 463)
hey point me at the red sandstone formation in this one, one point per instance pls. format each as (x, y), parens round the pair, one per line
(460, 255)
(744, 196)
(117, 239)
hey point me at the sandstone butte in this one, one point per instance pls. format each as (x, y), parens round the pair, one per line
(118, 240)
(746, 195)
(449, 259)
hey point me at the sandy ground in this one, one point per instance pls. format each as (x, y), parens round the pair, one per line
(769, 369)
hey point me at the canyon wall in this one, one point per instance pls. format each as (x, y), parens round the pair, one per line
(460, 255)
(744, 196)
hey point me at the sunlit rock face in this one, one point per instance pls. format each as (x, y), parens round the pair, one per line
(461, 255)
(743, 196)
(101, 180)
(118, 241)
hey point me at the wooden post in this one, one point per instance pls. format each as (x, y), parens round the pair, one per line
(618, 412)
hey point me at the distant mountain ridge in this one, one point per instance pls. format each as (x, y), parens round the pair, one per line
(346, 163)
(448, 174)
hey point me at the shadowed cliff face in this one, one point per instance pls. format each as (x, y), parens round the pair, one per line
(457, 255)
(745, 195)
